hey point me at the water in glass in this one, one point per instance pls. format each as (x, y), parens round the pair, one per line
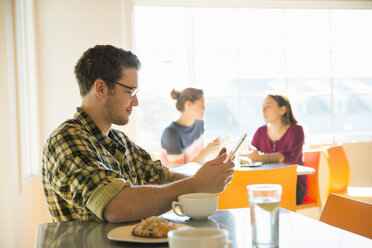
(265, 221)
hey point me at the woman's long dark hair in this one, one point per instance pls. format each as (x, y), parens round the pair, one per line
(288, 117)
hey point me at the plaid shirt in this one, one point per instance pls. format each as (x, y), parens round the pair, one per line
(83, 169)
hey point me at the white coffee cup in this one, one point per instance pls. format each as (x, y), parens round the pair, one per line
(196, 205)
(199, 238)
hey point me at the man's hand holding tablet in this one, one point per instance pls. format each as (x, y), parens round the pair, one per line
(236, 147)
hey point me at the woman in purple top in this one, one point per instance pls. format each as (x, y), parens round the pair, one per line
(281, 139)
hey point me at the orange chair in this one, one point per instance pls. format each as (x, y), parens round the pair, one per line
(236, 196)
(312, 198)
(348, 214)
(339, 175)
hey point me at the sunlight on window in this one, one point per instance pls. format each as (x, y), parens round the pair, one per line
(212, 30)
(215, 73)
(159, 29)
(263, 65)
(351, 30)
(260, 30)
(307, 30)
(321, 59)
(161, 72)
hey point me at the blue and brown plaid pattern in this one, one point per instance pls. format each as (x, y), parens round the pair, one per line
(83, 169)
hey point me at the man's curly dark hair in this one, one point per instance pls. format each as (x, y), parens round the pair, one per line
(104, 62)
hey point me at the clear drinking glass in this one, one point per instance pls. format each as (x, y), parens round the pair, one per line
(264, 203)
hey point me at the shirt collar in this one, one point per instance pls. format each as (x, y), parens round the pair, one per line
(91, 127)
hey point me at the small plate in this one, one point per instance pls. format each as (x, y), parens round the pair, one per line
(124, 233)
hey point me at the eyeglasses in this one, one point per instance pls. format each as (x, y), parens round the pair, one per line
(133, 90)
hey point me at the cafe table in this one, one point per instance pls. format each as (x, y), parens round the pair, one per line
(295, 231)
(192, 168)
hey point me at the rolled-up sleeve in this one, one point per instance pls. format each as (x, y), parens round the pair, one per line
(103, 194)
(79, 177)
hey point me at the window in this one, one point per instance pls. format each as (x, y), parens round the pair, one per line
(320, 59)
(27, 89)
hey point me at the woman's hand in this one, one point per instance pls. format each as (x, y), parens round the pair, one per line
(257, 156)
(214, 146)
(211, 148)
(254, 154)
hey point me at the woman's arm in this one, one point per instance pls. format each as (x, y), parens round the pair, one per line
(210, 148)
(257, 156)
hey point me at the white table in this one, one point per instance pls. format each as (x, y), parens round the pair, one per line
(295, 231)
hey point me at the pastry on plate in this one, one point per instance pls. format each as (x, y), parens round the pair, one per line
(153, 227)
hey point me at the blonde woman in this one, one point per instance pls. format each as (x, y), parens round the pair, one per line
(183, 140)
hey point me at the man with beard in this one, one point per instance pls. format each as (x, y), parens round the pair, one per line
(93, 172)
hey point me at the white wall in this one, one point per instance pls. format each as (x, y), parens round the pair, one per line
(6, 213)
(65, 29)
(23, 204)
